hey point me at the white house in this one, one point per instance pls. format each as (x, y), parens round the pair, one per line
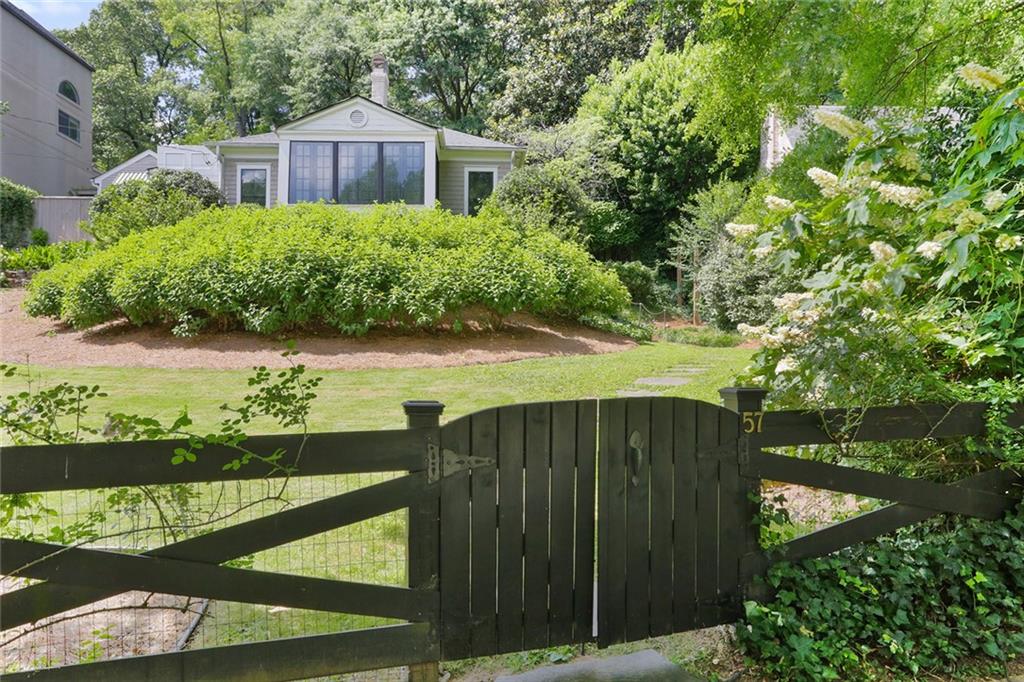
(193, 157)
(360, 152)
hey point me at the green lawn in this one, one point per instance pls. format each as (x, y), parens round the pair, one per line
(371, 399)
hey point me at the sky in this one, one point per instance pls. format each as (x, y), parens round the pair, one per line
(58, 13)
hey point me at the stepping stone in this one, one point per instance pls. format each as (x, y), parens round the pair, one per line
(687, 370)
(637, 393)
(643, 666)
(662, 381)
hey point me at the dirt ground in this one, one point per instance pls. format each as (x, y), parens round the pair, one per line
(119, 344)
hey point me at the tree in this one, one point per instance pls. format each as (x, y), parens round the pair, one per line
(558, 45)
(304, 57)
(140, 96)
(752, 57)
(452, 58)
(652, 163)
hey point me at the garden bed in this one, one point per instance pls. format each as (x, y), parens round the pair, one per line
(42, 341)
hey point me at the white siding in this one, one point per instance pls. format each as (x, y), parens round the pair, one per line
(452, 176)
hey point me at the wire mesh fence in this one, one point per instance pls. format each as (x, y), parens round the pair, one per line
(143, 518)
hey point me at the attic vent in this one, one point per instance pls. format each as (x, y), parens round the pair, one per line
(357, 118)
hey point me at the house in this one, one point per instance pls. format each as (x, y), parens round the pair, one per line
(360, 152)
(193, 157)
(46, 134)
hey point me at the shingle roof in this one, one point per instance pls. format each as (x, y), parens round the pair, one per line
(457, 139)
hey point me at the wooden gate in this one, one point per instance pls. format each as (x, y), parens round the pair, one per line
(517, 528)
(674, 517)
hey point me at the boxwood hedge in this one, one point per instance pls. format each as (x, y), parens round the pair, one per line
(271, 270)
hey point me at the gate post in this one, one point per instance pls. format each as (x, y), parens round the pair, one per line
(423, 539)
(748, 404)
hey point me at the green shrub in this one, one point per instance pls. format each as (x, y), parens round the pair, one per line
(38, 237)
(542, 197)
(162, 199)
(34, 258)
(735, 290)
(267, 270)
(644, 285)
(708, 337)
(16, 212)
(917, 602)
(626, 323)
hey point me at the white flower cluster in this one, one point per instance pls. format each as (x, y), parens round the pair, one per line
(775, 203)
(764, 251)
(994, 199)
(929, 250)
(786, 364)
(882, 251)
(870, 286)
(791, 301)
(844, 125)
(785, 334)
(741, 230)
(827, 182)
(869, 314)
(982, 77)
(901, 195)
(1008, 242)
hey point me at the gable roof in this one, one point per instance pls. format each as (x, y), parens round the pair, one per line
(26, 19)
(450, 139)
(124, 164)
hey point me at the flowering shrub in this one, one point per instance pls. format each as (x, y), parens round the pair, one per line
(917, 285)
(266, 270)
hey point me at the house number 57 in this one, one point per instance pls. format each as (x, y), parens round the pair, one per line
(752, 422)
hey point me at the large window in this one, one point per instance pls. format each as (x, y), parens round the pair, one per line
(311, 172)
(68, 126)
(357, 172)
(403, 172)
(364, 172)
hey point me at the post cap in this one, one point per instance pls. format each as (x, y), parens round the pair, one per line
(745, 391)
(412, 407)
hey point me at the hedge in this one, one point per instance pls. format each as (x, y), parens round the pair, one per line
(16, 212)
(269, 270)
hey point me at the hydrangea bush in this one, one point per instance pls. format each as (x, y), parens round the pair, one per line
(917, 289)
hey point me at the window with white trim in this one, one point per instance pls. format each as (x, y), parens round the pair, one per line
(68, 126)
(479, 184)
(254, 184)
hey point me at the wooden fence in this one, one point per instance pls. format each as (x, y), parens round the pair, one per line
(60, 217)
(501, 527)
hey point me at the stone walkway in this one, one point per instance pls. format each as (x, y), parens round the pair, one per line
(646, 387)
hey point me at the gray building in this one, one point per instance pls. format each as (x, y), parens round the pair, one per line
(46, 134)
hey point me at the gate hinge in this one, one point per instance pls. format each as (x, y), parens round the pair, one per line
(441, 463)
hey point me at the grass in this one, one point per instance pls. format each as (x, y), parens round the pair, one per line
(371, 399)
(371, 551)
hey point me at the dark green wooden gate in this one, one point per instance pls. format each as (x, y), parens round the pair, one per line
(517, 528)
(675, 517)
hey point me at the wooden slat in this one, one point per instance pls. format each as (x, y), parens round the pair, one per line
(707, 514)
(870, 525)
(483, 557)
(563, 474)
(116, 571)
(684, 524)
(733, 519)
(455, 520)
(915, 492)
(638, 499)
(39, 468)
(277, 659)
(795, 427)
(43, 599)
(661, 515)
(611, 604)
(535, 574)
(511, 429)
(586, 460)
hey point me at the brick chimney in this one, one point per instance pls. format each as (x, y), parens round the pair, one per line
(379, 79)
